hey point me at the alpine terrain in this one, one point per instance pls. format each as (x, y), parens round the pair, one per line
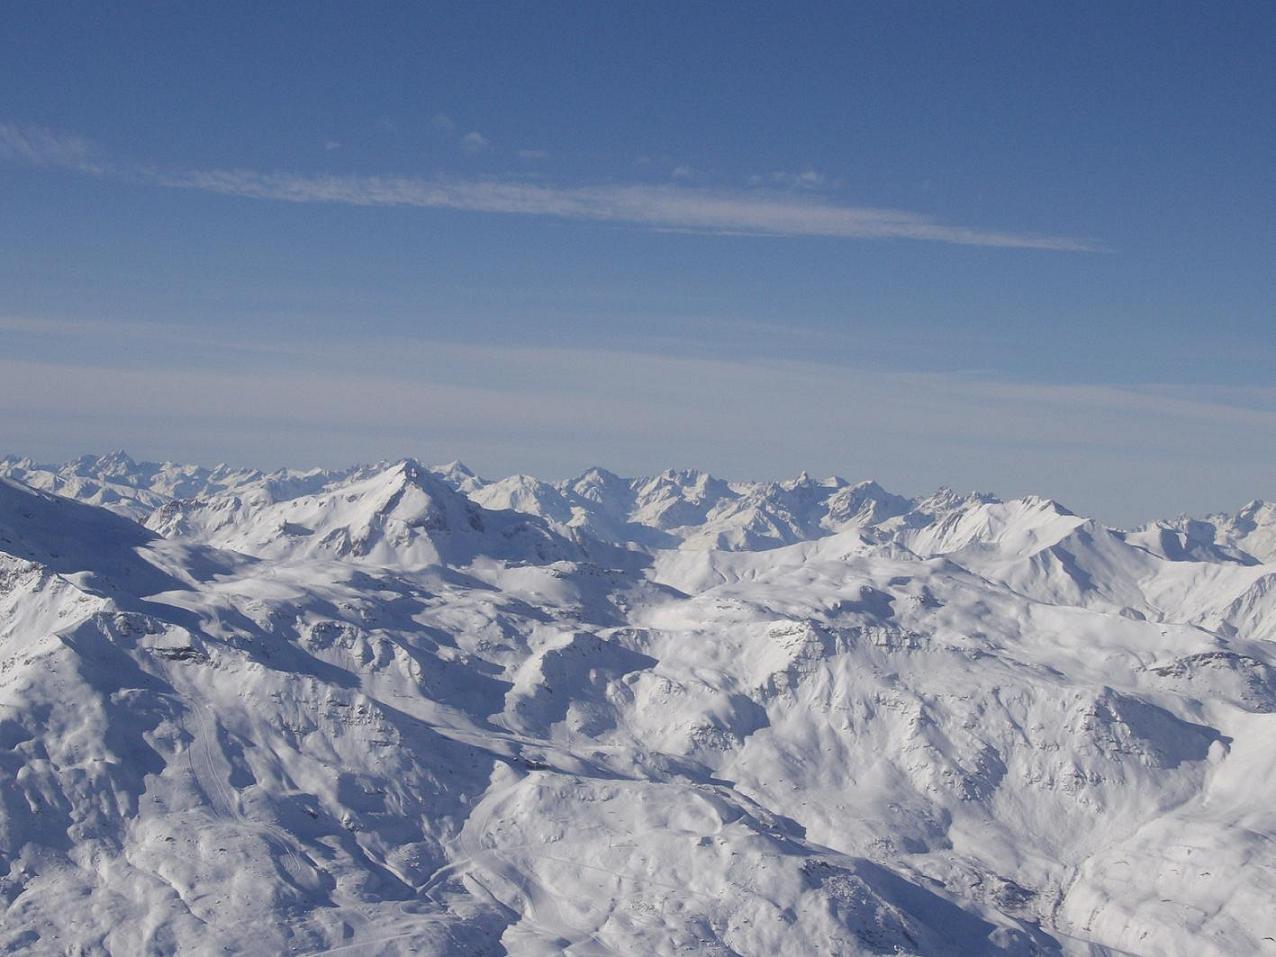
(394, 709)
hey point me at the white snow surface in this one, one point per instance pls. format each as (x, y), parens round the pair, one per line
(392, 709)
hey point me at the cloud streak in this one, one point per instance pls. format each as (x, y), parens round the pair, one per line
(660, 207)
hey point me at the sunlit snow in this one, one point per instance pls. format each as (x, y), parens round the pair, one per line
(393, 709)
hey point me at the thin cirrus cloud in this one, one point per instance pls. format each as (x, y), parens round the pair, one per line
(661, 207)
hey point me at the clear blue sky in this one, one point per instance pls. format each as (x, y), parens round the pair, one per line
(1025, 247)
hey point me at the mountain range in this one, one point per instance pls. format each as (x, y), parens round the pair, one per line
(399, 709)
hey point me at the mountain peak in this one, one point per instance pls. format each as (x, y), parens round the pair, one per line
(1046, 504)
(596, 477)
(868, 487)
(455, 467)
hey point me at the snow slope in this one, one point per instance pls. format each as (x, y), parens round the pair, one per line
(391, 709)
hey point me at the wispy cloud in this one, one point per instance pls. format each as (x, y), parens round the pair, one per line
(662, 207)
(43, 147)
(805, 179)
(474, 142)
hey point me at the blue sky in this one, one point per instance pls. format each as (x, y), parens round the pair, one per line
(1024, 247)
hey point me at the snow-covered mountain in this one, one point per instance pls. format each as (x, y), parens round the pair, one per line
(392, 709)
(1251, 530)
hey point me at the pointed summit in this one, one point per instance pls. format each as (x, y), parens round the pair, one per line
(460, 476)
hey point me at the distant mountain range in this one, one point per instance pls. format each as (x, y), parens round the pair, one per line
(675, 509)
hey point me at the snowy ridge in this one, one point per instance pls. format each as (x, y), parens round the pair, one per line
(1250, 530)
(395, 709)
